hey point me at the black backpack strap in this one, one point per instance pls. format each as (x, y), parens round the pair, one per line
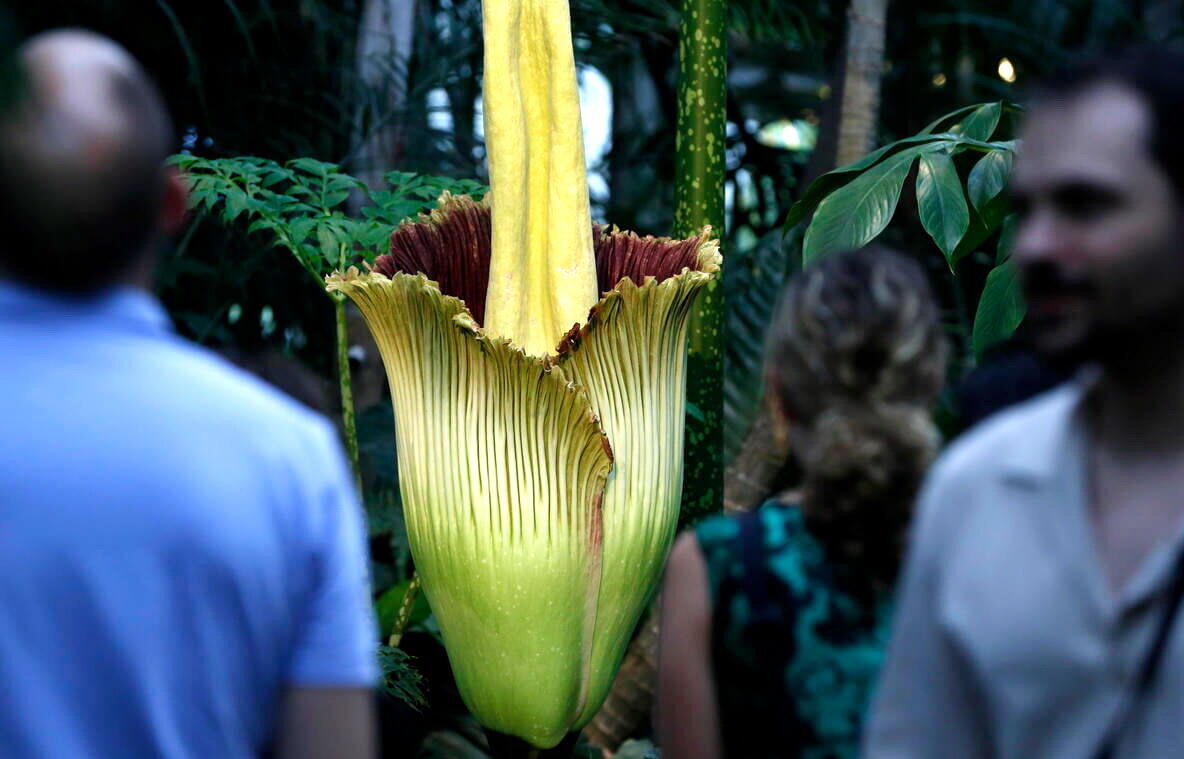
(1151, 663)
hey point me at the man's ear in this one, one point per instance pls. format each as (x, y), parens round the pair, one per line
(176, 201)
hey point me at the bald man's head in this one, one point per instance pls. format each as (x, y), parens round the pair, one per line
(82, 175)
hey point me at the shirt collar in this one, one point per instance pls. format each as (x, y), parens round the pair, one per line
(121, 306)
(1039, 454)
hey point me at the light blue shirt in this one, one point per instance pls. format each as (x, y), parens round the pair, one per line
(1009, 642)
(178, 542)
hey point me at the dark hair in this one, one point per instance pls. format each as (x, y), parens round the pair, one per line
(70, 227)
(1155, 73)
(857, 357)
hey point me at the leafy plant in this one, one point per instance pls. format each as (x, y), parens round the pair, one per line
(399, 677)
(961, 173)
(303, 205)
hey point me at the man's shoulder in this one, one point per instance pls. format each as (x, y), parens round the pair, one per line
(1025, 429)
(202, 379)
(966, 489)
(249, 429)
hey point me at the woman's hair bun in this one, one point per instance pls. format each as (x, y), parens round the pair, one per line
(857, 357)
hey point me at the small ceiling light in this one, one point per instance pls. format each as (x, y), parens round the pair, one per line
(1006, 70)
(939, 80)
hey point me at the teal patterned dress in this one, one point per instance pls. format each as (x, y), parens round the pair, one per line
(795, 655)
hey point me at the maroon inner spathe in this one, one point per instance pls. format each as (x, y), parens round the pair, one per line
(454, 251)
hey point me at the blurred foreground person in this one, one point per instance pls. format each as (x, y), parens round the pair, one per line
(181, 551)
(1044, 573)
(774, 622)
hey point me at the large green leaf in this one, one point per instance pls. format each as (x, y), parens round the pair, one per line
(856, 213)
(948, 117)
(989, 177)
(1001, 308)
(328, 244)
(1006, 239)
(313, 167)
(977, 233)
(985, 221)
(940, 201)
(236, 203)
(981, 124)
(833, 180)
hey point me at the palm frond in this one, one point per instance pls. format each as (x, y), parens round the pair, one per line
(752, 288)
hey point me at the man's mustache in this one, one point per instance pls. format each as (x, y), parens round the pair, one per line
(1045, 279)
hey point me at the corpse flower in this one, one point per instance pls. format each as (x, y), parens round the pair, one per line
(539, 426)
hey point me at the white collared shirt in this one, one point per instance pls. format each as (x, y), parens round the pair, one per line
(1009, 642)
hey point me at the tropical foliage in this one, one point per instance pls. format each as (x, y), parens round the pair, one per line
(302, 205)
(960, 175)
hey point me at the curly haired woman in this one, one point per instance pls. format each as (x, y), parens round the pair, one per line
(774, 622)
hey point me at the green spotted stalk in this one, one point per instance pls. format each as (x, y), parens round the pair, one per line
(699, 202)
